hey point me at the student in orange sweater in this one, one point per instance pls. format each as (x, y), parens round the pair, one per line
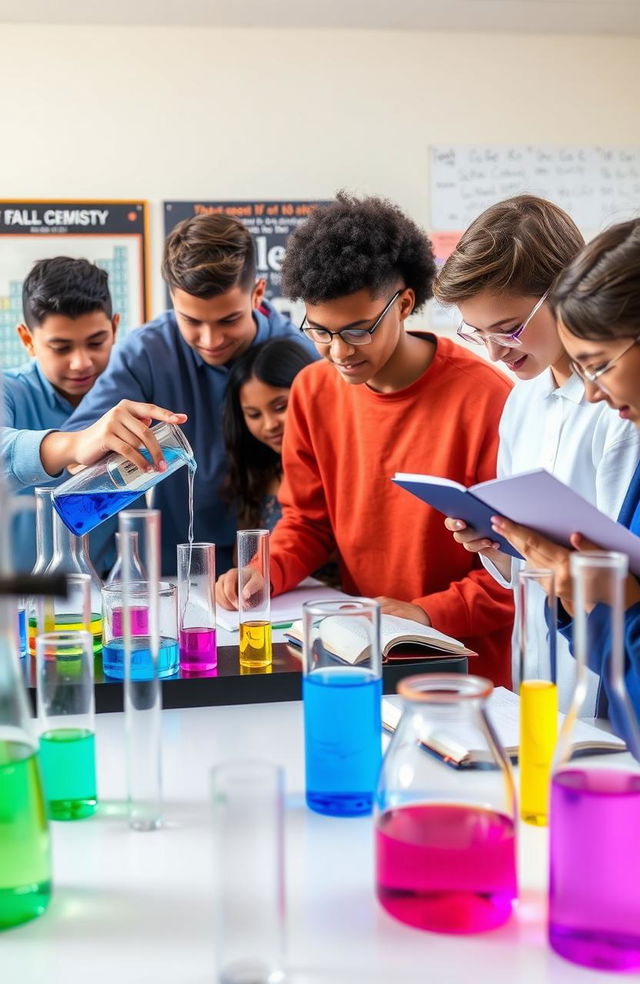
(382, 400)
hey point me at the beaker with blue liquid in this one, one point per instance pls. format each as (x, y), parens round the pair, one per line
(342, 699)
(100, 491)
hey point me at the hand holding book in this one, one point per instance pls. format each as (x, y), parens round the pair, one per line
(534, 499)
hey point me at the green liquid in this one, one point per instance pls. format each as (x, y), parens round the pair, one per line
(68, 759)
(25, 867)
(68, 623)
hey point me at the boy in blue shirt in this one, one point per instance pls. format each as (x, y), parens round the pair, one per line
(181, 360)
(69, 329)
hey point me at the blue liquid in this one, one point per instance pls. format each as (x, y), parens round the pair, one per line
(81, 512)
(22, 632)
(343, 739)
(141, 664)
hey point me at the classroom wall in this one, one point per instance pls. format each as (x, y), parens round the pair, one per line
(198, 112)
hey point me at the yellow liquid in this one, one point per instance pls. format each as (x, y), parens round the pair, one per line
(255, 644)
(538, 734)
(254, 670)
(66, 623)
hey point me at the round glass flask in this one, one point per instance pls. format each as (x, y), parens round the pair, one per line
(445, 811)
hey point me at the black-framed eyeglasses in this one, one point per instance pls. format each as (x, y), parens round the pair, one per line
(593, 375)
(351, 336)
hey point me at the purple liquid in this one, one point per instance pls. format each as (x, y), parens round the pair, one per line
(198, 652)
(139, 622)
(594, 894)
(446, 868)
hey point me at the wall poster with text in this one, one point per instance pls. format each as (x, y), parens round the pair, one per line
(270, 223)
(111, 234)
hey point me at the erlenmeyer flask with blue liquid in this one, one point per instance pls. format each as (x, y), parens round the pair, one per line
(100, 491)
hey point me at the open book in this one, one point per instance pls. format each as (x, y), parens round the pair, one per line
(535, 499)
(503, 708)
(348, 639)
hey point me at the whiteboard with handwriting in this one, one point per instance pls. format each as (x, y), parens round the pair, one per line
(595, 185)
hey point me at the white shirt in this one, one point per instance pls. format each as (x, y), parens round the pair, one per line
(588, 447)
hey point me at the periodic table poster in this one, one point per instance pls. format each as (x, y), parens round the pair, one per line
(113, 235)
(270, 223)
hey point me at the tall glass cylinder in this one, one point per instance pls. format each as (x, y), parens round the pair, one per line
(25, 863)
(249, 872)
(594, 902)
(342, 693)
(197, 608)
(538, 692)
(254, 598)
(66, 720)
(44, 554)
(445, 832)
(142, 690)
(22, 628)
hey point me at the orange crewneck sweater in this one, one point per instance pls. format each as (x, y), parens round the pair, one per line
(342, 445)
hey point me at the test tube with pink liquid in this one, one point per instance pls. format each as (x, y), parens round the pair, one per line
(197, 609)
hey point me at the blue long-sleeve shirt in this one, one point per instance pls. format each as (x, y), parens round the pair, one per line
(32, 409)
(154, 364)
(598, 629)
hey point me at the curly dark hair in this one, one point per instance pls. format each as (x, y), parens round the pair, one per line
(353, 244)
(252, 465)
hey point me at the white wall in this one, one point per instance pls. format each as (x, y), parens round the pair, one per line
(110, 112)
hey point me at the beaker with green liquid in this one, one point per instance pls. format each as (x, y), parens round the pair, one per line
(25, 864)
(66, 720)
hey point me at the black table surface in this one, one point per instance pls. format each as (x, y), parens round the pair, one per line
(232, 684)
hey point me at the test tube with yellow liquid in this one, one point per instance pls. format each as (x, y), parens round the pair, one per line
(536, 615)
(254, 599)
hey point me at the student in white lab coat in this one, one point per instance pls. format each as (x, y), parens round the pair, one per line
(499, 276)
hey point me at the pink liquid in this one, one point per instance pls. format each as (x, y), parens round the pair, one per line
(198, 653)
(446, 868)
(594, 882)
(139, 622)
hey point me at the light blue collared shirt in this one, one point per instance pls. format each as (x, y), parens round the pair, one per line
(32, 409)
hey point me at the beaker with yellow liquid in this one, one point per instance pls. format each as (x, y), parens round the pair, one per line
(254, 598)
(538, 692)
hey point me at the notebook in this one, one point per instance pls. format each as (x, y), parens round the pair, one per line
(348, 639)
(503, 707)
(536, 499)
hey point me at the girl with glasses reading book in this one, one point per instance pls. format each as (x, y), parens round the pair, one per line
(597, 304)
(500, 276)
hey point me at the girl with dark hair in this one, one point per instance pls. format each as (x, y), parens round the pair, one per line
(254, 411)
(597, 304)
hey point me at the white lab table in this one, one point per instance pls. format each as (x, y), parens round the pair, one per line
(132, 908)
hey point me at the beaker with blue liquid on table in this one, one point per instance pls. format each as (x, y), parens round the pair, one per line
(342, 705)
